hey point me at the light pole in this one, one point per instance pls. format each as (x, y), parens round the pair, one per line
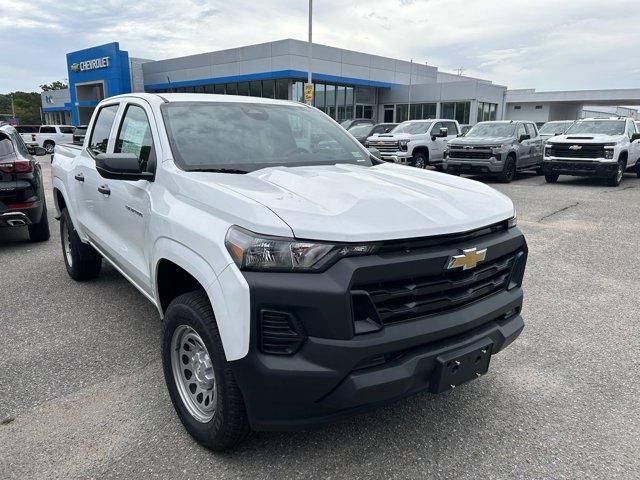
(308, 88)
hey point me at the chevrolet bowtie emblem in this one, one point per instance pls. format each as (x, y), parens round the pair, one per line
(470, 258)
(575, 147)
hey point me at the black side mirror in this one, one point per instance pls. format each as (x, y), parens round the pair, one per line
(121, 166)
(524, 137)
(375, 153)
(635, 136)
(37, 151)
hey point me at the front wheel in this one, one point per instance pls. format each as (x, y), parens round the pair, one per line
(81, 260)
(201, 384)
(49, 146)
(616, 178)
(509, 171)
(420, 160)
(551, 177)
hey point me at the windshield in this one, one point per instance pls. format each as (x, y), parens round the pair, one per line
(248, 136)
(605, 127)
(492, 130)
(360, 130)
(414, 128)
(554, 127)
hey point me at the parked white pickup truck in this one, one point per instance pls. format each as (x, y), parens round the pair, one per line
(299, 278)
(46, 136)
(416, 142)
(594, 147)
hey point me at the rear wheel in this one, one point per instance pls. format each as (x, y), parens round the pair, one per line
(509, 171)
(551, 177)
(81, 260)
(420, 160)
(615, 179)
(39, 232)
(201, 384)
(49, 146)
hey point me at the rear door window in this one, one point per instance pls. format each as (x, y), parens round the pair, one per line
(521, 130)
(102, 129)
(66, 129)
(134, 136)
(531, 130)
(47, 129)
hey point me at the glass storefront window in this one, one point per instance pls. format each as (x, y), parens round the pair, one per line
(255, 88)
(486, 108)
(268, 88)
(402, 112)
(448, 110)
(282, 89)
(429, 110)
(318, 96)
(219, 89)
(330, 100)
(415, 111)
(492, 111)
(368, 111)
(232, 88)
(349, 103)
(340, 101)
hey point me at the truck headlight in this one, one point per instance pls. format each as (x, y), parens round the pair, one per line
(608, 153)
(497, 150)
(513, 221)
(251, 251)
(402, 144)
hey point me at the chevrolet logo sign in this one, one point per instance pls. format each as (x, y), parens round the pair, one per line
(469, 259)
(575, 147)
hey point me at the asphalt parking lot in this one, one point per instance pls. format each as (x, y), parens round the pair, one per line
(82, 393)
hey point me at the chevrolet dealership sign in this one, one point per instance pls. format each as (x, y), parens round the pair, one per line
(94, 64)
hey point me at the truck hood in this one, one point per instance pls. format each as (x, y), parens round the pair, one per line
(391, 137)
(480, 141)
(352, 203)
(588, 138)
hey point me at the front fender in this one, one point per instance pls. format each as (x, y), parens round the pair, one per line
(228, 294)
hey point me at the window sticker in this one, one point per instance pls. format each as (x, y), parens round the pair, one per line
(133, 136)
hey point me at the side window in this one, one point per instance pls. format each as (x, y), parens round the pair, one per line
(451, 126)
(531, 130)
(102, 129)
(378, 129)
(47, 129)
(521, 130)
(134, 136)
(20, 145)
(631, 128)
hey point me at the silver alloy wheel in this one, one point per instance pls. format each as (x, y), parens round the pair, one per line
(420, 162)
(193, 373)
(66, 243)
(619, 173)
(49, 147)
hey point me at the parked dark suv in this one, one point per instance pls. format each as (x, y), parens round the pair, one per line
(22, 201)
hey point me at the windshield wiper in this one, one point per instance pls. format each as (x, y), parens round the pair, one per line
(220, 170)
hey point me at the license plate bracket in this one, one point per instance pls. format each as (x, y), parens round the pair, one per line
(461, 365)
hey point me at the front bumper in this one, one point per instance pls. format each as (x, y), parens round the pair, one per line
(398, 157)
(493, 165)
(579, 168)
(336, 372)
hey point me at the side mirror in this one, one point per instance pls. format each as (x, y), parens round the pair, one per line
(37, 151)
(375, 152)
(443, 133)
(121, 166)
(635, 136)
(524, 137)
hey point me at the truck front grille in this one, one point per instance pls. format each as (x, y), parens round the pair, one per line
(478, 153)
(413, 297)
(384, 146)
(576, 150)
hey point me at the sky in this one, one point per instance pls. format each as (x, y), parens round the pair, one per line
(546, 45)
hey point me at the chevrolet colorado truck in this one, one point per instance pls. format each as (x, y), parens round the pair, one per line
(499, 148)
(416, 142)
(296, 283)
(594, 147)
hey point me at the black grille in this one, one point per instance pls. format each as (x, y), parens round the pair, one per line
(280, 333)
(408, 298)
(576, 150)
(470, 153)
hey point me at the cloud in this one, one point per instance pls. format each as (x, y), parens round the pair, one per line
(541, 44)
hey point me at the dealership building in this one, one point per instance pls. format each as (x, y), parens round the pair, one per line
(347, 84)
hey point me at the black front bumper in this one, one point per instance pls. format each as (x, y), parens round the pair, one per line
(580, 168)
(337, 372)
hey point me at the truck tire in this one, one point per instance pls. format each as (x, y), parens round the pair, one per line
(616, 178)
(638, 168)
(81, 260)
(201, 384)
(420, 159)
(39, 232)
(509, 171)
(49, 146)
(551, 177)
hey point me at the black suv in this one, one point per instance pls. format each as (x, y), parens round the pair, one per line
(22, 201)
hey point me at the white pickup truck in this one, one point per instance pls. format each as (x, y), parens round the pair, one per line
(299, 278)
(416, 142)
(46, 136)
(594, 147)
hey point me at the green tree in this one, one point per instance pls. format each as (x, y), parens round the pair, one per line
(26, 105)
(57, 85)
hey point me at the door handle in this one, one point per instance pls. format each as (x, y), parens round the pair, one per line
(104, 189)
(79, 177)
